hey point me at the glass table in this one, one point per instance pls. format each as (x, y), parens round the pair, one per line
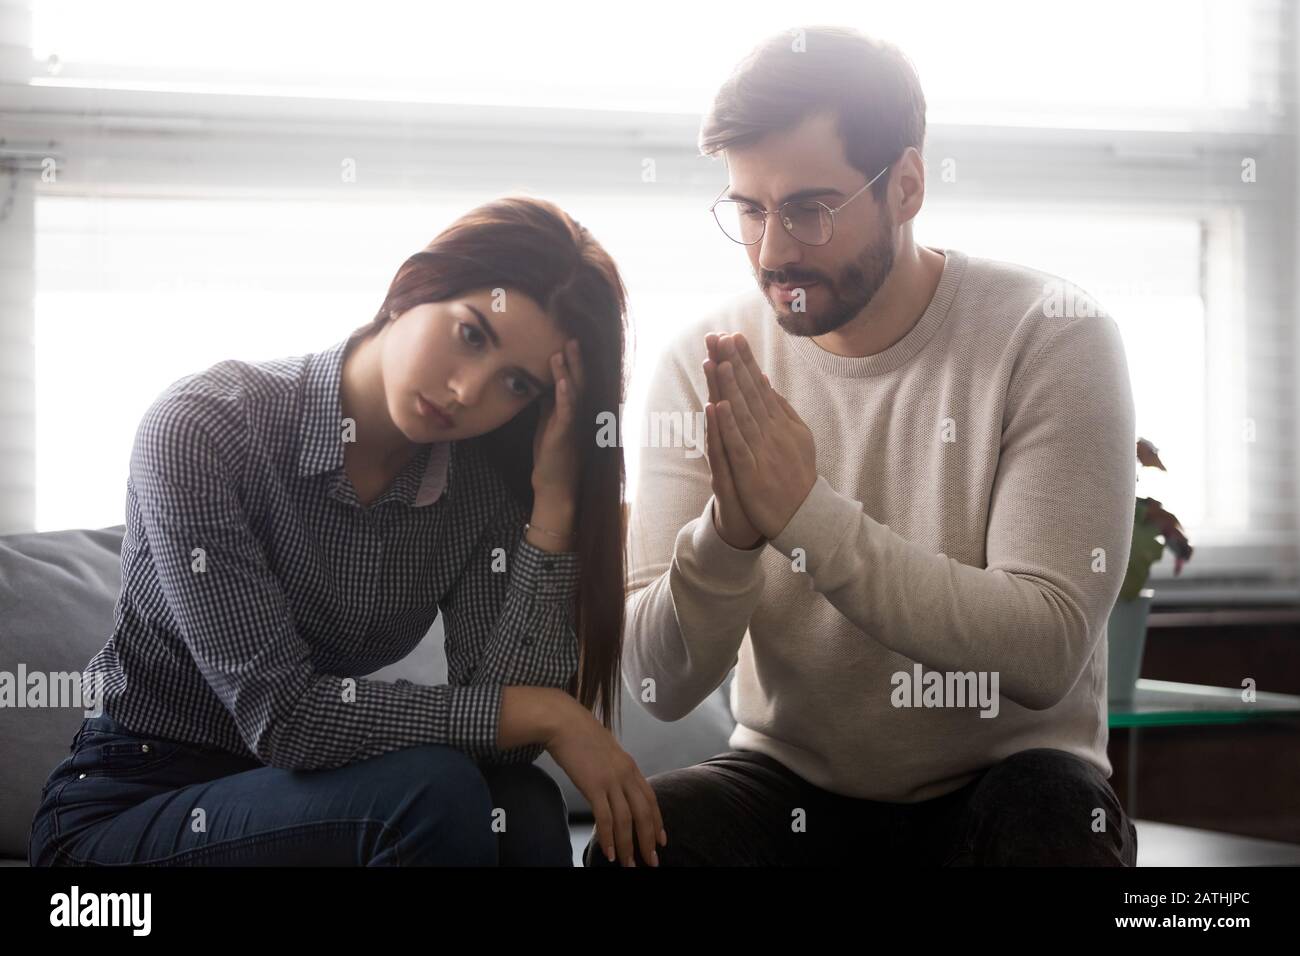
(1162, 703)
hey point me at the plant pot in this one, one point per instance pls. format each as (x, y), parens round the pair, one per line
(1126, 633)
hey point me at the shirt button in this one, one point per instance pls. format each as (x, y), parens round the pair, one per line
(528, 642)
(548, 565)
(80, 775)
(144, 748)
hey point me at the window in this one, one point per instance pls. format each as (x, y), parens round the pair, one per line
(134, 294)
(199, 213)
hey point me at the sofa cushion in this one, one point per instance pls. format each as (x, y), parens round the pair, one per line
(57, 594)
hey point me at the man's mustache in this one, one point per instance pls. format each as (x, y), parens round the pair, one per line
(784, 277)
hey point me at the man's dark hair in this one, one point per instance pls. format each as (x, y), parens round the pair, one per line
(869, 84)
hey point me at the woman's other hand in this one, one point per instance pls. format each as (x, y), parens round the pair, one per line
(624, 804)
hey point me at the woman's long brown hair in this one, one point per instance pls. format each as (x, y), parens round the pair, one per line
(533, 246)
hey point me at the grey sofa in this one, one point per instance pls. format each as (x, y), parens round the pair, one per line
(57, 594)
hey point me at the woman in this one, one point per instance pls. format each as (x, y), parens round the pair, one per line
(295, 524)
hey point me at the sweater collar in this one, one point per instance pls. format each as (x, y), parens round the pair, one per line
(906, 348)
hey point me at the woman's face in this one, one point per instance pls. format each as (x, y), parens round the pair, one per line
(479, 358)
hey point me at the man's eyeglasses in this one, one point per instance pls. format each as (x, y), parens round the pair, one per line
(809, 221)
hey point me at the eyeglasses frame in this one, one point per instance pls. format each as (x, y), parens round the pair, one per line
(714, 207)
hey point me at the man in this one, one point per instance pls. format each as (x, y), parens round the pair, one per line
(912, 521)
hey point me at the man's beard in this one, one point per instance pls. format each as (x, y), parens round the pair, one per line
(849, 294)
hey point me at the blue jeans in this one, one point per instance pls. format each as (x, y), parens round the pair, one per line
(123, 798)
(1038, 807)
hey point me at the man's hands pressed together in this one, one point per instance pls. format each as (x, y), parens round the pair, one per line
(761, 454)
(729, 517)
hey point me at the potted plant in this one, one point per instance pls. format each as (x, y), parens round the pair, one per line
(1154, 529)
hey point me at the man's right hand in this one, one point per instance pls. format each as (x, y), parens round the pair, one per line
(728, 516)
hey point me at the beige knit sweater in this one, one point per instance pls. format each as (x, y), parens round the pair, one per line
(972, 517)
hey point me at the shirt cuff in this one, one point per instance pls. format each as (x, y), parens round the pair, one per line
(473, 718)
(552, 574)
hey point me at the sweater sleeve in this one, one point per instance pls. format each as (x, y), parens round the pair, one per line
(691, 594)
(1058, 535)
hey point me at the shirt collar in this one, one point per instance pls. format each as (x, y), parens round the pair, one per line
(321, 429)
